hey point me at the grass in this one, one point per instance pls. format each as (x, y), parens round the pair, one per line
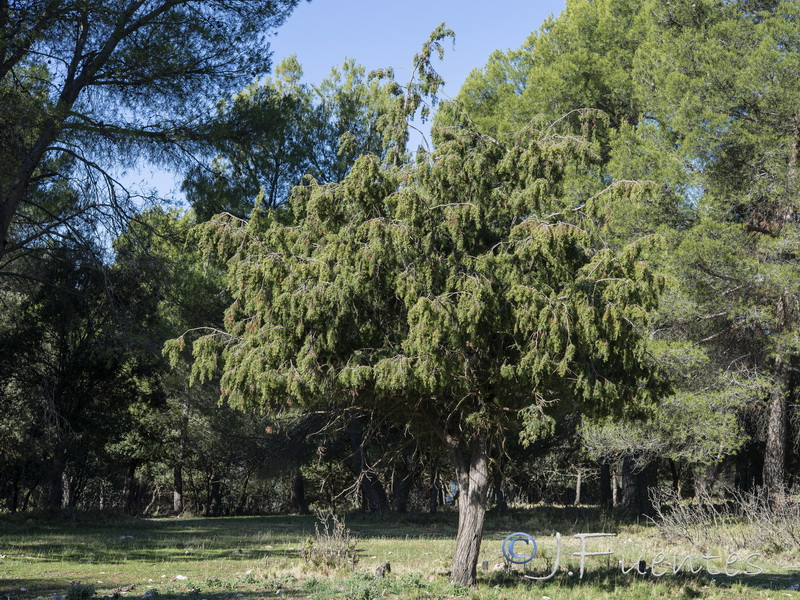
(259, 557)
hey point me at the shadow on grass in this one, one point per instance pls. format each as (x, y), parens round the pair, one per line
(610, 579)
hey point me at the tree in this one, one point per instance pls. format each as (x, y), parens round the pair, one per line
(739, 138)
(67, 375)
(271, 134)
(701, 101)
(454, 292)
(96, 79)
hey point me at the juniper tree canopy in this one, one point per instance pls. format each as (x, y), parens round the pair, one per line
(455, 292)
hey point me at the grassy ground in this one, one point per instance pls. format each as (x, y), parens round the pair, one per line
(260, 557)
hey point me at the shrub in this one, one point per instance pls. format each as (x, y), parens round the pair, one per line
(80, 591)
(332, 546)
(746, 521)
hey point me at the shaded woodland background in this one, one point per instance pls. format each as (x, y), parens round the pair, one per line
(688, 109)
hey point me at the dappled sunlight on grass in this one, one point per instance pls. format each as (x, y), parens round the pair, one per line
(260, 556)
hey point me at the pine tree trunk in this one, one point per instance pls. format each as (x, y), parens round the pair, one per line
(606, 495)
(297, 500)
(499, 496)
(402, 482)
(177, 489)
(636, 485)
(215, 496)
(473, 481)
(775, 452)
(55, 499)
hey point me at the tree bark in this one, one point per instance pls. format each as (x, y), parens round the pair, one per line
(177, 489)
(402, 481)
(775, 452)
(215, 496)
(636, 485)
(55, 499)
(297, 500)
(606, 496)
(473, 479)
(373, 494)
(499, 496)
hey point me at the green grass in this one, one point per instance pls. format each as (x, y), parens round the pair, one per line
(215, 559)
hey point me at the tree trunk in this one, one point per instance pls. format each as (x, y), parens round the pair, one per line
(606, 496)
(499, 496)
(177, 489)
(402, 482)
(215, 496)
(636, 485)
(473, 481)
(775, 452)
(55, 499)
(297, 499)
(373, 495)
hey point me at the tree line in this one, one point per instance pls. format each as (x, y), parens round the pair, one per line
(585, 289)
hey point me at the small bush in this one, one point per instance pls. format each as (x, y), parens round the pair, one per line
(746, 521)
(332, 546)
(363, 586)
(80, 591)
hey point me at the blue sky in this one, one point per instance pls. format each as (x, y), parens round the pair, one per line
(384, 33)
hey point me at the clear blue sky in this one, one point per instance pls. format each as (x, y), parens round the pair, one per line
(385, 33)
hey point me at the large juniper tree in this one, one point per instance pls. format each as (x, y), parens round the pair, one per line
(455, 292)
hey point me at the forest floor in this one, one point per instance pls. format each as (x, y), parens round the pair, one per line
(282, 556)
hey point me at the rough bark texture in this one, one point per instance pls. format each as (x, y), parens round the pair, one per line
(473, 480)
(704, 480)
(636, 485)
(775, 452)
(177, 489)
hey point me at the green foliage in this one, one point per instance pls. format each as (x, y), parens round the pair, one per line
(333, 546)
(268, 136)
(125, 82)
(80, 591)
(436, 290)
